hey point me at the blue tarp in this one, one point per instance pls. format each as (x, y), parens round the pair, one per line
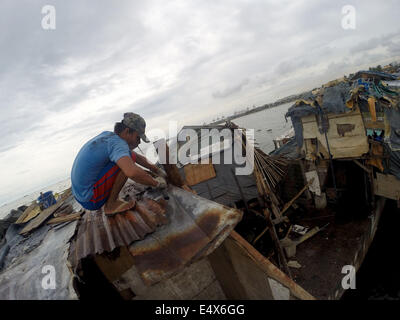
(47, 199)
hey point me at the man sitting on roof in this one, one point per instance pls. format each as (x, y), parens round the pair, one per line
(105, 162)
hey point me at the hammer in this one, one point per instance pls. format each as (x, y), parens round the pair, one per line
(290, 245)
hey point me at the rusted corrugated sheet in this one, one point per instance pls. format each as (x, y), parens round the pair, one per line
(197, 226)
(98, 233)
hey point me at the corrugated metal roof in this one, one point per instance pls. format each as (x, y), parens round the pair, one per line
(186, 229)
(197, 227)
(98, 233)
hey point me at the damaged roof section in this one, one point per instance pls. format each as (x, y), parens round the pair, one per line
(197, 227)
(98, 233)
(28, 260)
(163, 237)
(344, 117)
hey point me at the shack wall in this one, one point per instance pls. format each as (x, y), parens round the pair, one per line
(346, 136)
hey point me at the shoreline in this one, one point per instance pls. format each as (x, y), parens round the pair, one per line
(277, 103)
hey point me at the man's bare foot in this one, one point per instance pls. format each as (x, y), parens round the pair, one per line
(118, 206)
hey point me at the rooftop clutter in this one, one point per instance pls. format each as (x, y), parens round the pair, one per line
(372, 99)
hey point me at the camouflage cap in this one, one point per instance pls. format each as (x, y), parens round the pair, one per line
(137, 123)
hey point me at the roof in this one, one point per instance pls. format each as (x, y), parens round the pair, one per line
(98, 233)
(343, 97)
(288, 150)
(27, 260)
(196, 227)
(374, 74)
(162, 239)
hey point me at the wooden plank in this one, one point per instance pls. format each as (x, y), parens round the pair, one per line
(224, 271)
(68, 217)
(42, 217)
(378, 124)
(196, 173)
(362, 166)
(287, 205)
(114, 265)
(173, 175)
(270, 269)
(32, 211)
(238, 275)
(387, 185)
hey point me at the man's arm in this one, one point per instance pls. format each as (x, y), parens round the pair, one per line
(141, 160)
(132, 171)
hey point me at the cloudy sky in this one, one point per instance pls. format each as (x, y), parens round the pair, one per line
(188, 61)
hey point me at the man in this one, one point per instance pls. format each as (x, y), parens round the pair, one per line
(105, 162)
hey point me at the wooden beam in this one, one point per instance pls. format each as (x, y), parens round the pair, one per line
(41, 218)
(287, 205)
(362, 166)
(68, 217)
(270, 269)
(277, 243)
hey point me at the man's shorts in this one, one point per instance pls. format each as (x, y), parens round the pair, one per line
(102, 187)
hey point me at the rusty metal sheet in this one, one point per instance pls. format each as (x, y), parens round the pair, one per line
(197, 226)
(98, 233)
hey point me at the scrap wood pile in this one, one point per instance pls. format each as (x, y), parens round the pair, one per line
(269, 171)
(60, 212)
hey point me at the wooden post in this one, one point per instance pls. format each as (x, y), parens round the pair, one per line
(271, 270)
(287, 205)
(277, 243)
(173, 175)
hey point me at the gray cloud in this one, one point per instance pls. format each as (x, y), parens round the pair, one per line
(230, 90)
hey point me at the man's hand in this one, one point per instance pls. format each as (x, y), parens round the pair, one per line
(162, 183)
(160, 172)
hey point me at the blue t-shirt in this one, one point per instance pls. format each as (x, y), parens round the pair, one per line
(96, 154)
